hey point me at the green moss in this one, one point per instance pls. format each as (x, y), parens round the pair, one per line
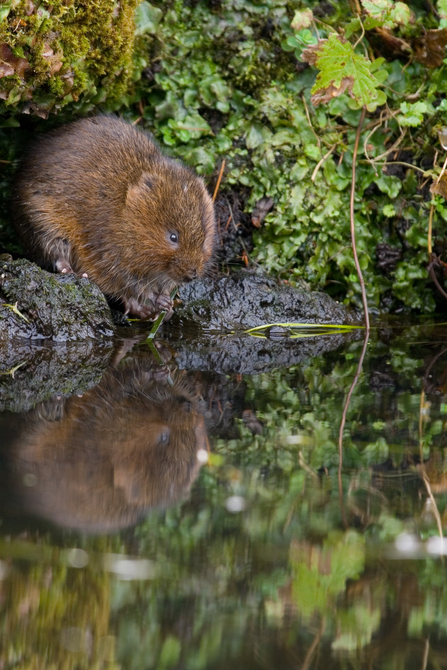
(70, 49)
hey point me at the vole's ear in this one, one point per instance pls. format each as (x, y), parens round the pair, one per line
(141, 189)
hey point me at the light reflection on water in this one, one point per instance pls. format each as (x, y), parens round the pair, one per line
(184, 519)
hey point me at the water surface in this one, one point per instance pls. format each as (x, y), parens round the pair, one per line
(172, 510)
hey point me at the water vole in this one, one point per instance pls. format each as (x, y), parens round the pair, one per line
(99, 197)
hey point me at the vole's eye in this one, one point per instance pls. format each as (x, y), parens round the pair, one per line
(173, 237)
(163, 437)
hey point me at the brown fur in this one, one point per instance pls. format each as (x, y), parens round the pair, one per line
(98, 197)
(102, 461)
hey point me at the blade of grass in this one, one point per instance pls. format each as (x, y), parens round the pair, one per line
(159, 319)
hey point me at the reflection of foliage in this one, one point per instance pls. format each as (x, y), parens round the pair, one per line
(304, 568)
(55, 618)
(260, 583)
(319, 575)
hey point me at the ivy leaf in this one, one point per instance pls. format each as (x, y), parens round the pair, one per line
(341, 71)
(386, 13)
(413, 114)
(302, 19)
(401, 14)
(377, 8)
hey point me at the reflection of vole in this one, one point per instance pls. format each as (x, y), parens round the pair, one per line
(98, 197)
(106, 458)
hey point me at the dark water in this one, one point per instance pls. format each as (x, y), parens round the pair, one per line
(192, 507)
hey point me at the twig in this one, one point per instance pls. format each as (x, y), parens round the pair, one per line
(362, 35)
(313, 646)
(351, 211)
(425, 477)
(310, 122)
(16, 310)
(408, 165)
(12, 371)
(219, 179)
(426, 650)
(442, 172)
(388, 151)
(430, 222)
(430, 230)
(321, 161)
(435, 261)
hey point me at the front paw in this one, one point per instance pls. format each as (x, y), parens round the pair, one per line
(151, 308)
(164, 303)
(135, 308)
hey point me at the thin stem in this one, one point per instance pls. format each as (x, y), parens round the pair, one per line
(219, 179)
(310, 122)
(423, 471)
(321, 161)
(362, 35)
(351, 211)
(430, 230)
(342, 427)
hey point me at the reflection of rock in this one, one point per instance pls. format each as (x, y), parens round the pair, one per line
(98, 462)
(230, 354)
(31, 372)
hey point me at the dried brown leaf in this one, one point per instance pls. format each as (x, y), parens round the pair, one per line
(53, 58)
(430, 48)
(260, 211)
(10, 64)
(311, 54)
(391, 43)
(440, 186)
(326, 94)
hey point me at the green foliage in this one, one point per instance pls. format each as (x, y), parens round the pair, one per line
(386, 13)
(225, 84)
(341, 69)
(413, 114)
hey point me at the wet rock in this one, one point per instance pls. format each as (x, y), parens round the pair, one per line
(246, 300)
(35, 305)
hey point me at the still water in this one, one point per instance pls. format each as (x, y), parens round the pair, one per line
(192, 507)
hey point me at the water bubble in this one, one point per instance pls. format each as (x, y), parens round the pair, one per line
(407, 543)
(77, 558)
(202, 456)
(437, 545)
(30, 480)
(235, 504)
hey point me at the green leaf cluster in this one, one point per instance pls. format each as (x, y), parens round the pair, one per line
(225, 84)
